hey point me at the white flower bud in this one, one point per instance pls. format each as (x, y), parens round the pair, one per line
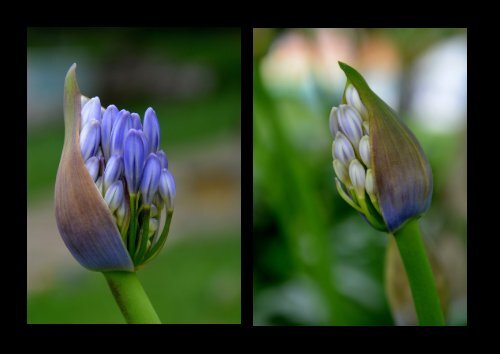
(352, 98)
(341, 172)
(364, 150)
(357, 176)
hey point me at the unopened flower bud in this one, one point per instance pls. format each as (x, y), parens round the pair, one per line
(357, 177)
(352, 98)
(364, 150)
(90, 138)
(92, 165)
(342, 149)
(150, 179)
(350, 123)
(114, 196)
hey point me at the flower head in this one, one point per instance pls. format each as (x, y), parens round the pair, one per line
(381, 168)
(106, 187)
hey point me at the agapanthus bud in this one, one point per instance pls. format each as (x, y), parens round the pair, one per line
(399, 178)
(369, 185)
(342, 149)
(152, 130)
(150, 179)
(167, 188)
(364, 150)
(91, 110)
(122, 213)
(133, 158)
(334, 123)
(99, 177)
(352, 98)
(118, 133)
(108, 119)
(350, 124)
(113, 171)
(341, 172)
(114, 196)
(92, 165)
(357, 177)
(136, 121)
(163, 159)
(90, 138)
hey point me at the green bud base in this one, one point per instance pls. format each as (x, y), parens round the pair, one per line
(131, 298)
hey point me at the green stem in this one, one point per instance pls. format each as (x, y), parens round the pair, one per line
(131, 239)
(419, 272)
(131, 298)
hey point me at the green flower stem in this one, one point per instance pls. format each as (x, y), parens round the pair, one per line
(131, 298)
(419, 272)
(133, 230)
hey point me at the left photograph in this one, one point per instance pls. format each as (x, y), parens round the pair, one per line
(133, 176)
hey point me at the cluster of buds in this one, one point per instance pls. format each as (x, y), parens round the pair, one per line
(381, 170)
(121, 157)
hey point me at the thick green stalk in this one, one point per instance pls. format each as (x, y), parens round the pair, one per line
(419, 272)
(131, 298)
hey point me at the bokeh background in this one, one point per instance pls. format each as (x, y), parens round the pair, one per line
(316, 262)
(191, 77)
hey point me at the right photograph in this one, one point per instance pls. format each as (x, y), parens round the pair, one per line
(360, 176)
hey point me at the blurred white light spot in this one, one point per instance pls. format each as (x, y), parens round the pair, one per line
(439, 87)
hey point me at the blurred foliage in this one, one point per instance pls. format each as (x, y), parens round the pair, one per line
(316, 262)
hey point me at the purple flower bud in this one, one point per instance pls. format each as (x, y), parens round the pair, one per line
(91, 110)
(133, 158)
(342, 149)
(118, 133)
(152, 129)
(114, 196)
(90, 138)
(150, 178)
(108, 119)
(113, 171)
(334, 123)
(167, 187)
(92, 165)
(350, 123)
(144, 141)
(136, 121)
(163, 159)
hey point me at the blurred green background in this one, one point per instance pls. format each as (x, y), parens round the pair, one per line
(191, 77)
(316, 262)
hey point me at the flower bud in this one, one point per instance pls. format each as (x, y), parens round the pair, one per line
(357, 177)
(92, 165)
(118, 133)
(90, 138)
(113, 171)
(402, 177)
(133, 158)
(341, 172)
(91, 110)
(136, 121)
(152, 130)
(350, 124)
(342, 149)
(163, 159)
(352, 98)
(364, 150)
(114, 196)
(334, 123)
(167, 188)
(108, 119)
(150, 179)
